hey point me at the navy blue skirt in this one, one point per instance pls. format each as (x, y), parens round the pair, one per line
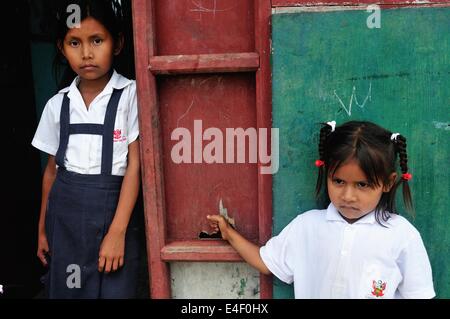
(80, 210)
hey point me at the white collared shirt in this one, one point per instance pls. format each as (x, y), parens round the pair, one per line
(84, 151)
(326, 257)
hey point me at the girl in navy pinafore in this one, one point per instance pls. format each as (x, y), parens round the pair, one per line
(88, 236)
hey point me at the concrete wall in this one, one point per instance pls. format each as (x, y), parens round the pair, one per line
(195, 280)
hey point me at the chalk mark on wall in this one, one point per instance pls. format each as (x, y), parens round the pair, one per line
(441, 125)
(201, 8)
(185, 113)
(348, 109)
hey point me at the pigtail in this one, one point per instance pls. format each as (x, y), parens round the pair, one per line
(325, 131)
(400, 143)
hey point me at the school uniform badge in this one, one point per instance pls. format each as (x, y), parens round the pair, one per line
(118, 137)
(117, 134)
(378, 288)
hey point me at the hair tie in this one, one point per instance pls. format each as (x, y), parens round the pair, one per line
(406, 176)
(394, 136)
(333, 125)
(319, 163)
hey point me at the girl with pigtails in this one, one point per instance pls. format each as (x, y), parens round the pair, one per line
(359, 246)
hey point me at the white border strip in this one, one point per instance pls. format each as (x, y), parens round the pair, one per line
(279, 10)
(331, 8)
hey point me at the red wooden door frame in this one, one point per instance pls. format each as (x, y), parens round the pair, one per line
(148, 65)
(150, 143)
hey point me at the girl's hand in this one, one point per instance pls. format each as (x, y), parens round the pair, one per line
(112, 251)
(246, 249)
(42, 248)
(218, 222)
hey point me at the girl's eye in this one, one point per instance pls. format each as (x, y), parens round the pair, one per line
(73, 43)
(98, 41)
(362, 185)
(338, 181)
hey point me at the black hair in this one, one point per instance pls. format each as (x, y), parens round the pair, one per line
(112, 14)
(376, 153)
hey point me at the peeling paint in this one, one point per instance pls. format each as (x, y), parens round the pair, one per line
(208, 280)
(242, 286)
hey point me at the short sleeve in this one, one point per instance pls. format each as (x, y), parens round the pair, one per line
(278, 253)
(415, 266)
(46, 137)
(133, 123)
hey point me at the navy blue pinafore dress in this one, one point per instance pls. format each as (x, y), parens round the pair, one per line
(80, 210)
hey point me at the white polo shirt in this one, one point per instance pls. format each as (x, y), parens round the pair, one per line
(326, 257)
(84, 151)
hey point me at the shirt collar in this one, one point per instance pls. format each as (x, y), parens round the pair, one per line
(117, 81)
(333, 215)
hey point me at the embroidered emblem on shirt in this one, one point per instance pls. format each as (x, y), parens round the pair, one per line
(378, 288)
(118, 136)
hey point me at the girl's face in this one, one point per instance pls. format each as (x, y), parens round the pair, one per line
(90, 49)
(351, 193)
